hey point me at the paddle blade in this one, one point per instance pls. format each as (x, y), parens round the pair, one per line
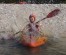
(53, 13)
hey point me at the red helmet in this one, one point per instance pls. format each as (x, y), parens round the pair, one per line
(32, 15)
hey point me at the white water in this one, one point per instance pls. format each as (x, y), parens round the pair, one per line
(14, 17)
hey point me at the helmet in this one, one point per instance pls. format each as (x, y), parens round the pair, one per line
(32, 15)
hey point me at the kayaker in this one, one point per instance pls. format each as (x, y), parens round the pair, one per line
(33, 27)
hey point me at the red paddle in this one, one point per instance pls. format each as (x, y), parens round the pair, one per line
(50, 15)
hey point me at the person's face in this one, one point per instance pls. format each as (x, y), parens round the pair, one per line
(32, 19)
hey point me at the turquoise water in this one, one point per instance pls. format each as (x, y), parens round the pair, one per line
(12, 47)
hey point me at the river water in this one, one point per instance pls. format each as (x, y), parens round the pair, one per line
(12, 47)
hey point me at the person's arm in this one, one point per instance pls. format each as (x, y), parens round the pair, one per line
(37, 26)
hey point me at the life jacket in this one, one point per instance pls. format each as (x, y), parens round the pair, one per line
(33, 27)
